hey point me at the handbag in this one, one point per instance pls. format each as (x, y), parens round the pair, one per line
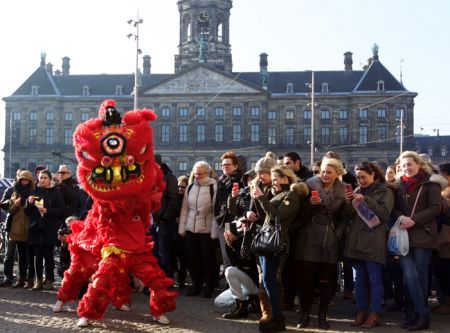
(268, 241)
(398, 240)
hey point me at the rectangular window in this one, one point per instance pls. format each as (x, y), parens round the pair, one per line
(16, 115)
(183, 133)
(272, 136)
(236, 133)
(165, 133)
(33, 115)
(218, 133)
(306, 135)
(325, 114)
(183, 112)
(68, 116)
(68, 132)
(381, 134)
(218, 111)
(363, 135)
(289, 114)
(398, 113)
(325, 135)
(307, 114)
(272, 115)
(201, 112)
(237, 111)
(255, 111)
(182, 166)
(381, 113)
(49, 136)
(32, 135)
(343, 135)
(343, 114)
(290, 136)
(84, 116)
(363, 113)
(254, 133)
(201, 133)
(165, 112)
(50, 116)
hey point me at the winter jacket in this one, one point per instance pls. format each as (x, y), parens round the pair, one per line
(284, 205)
(197, 208)
(70, 193)
(239, 205)
(170, 202)
(423, 234)
(247, 266)
(322, 226)
(44, 229)
(367, 244)
(224, 188)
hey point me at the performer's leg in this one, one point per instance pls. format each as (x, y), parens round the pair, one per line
(83, 265)
(93, 304)
(145, 267)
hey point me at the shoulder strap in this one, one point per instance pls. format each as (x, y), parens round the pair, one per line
(190, 187)
(211, 191)
(415, 202)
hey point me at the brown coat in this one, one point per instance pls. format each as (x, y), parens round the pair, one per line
(20, 222)
(424, 233)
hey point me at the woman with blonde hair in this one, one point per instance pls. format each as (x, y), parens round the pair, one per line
(417, 204)
(323, 220)
(283, 206)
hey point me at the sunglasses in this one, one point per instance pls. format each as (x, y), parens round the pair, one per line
(63, 172)
(181, 186)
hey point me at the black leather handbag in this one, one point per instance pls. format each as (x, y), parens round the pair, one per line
(268, 241)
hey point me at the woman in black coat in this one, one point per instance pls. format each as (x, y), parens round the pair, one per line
(46, 210)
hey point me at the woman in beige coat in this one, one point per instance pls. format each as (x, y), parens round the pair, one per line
(196, 225)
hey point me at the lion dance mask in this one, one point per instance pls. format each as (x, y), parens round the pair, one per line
(117, 169)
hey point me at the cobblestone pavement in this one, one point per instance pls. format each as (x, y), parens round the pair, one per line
(26, 311)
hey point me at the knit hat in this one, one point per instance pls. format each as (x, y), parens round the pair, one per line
(265, 164)
(25, 174)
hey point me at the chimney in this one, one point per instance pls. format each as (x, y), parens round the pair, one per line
(263, 64)
(66, 66)
(43, 56)
(146, 64)
(348, 61)
(49, 68)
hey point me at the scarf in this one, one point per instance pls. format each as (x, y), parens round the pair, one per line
(410, 183)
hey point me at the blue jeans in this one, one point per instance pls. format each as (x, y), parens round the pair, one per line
(269, 267)
(415, 275)
(368, 277)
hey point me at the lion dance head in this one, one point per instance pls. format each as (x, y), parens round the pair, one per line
(115, 155)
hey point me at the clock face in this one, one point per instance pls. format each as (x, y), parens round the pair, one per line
(203, 16)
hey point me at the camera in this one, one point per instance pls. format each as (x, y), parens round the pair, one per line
(64, 232)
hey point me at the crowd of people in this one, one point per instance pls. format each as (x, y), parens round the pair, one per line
(205, 226)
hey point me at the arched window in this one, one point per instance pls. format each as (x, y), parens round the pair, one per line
(220, 32)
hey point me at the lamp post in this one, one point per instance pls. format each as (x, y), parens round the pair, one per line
(136, 23)
(313, 104)
(10, 143)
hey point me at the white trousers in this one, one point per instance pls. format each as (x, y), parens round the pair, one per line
(241, 286)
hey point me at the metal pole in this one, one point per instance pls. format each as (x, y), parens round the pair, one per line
(137, 66)
(10, 144)
(312, 118)
(401, 131)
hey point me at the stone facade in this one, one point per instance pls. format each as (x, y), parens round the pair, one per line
(205, 108)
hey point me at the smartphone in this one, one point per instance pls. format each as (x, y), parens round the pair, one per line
(227, 227)
(314, 194)
(235, 186)
(348, 187)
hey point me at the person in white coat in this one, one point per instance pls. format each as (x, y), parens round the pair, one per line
(196, 224)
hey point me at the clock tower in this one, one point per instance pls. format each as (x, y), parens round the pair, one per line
(204, 34)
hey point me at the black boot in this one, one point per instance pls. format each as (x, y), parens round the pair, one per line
(253, 304)
(304, 321)
(422, 323)
(410, 319)
(239, 311)
(275, 325)
(323, 322)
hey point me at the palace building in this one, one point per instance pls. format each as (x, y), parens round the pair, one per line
(205, 108)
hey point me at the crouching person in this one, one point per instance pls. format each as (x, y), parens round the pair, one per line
(242, 275)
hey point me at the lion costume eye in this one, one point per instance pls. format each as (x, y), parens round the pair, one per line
(143, 150)
(86, 155)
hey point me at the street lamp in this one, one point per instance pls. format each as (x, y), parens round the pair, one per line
(136, 23)
(313, 104)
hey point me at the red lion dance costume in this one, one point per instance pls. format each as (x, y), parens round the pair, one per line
(117, 169)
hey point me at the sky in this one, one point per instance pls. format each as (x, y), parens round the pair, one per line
(413, 38)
